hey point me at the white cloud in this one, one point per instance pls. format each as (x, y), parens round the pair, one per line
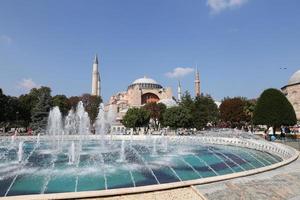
(27, 84)
(179, 72)
(5, 39)
(217, 6)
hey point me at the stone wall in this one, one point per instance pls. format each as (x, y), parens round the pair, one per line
(292, 92)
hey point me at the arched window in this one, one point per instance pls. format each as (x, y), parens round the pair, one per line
(149, 97)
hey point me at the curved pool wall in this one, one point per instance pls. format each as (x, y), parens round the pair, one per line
(285, 153)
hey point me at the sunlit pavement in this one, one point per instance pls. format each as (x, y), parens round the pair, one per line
(282, 183)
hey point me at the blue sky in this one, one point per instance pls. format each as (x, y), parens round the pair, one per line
(238, 45)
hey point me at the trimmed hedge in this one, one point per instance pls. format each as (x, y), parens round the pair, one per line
(274, 109)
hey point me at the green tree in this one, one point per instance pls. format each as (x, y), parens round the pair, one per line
(206, 111)
(41, 110)
(2, 106)
(144, 118)
(136, 117)
(156, 111)
(188, 103)
(249, 109)
(177, 117)
(26, 106)
(62, 102)
(10, 111)
(274, 109)
(91, 104)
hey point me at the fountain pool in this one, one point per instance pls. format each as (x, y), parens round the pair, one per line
(90, 164)
(68, 159)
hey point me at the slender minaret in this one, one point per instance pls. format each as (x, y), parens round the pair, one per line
(179, 92)
(99, 85)
(197, 82)
(95, 78)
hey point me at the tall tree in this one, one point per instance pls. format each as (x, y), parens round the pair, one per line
(187, 102)
(41, 110)
(177, 117)
(26, 106)
(274, 109)
(136, 117)
(11, 110)
(156, 111)
(249, 109)
(91, 104)
(73, 101)
(232, 110)
(62, 102)
(206, 111)
(2, 106)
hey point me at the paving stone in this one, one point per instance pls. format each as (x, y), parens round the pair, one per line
(279, 184)
(174, 194)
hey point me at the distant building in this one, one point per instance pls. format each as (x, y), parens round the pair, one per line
(139, 92)
(292, 92)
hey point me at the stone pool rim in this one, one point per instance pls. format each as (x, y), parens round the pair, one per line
(286, 153)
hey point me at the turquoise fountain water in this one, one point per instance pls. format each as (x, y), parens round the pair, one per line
(69, 159)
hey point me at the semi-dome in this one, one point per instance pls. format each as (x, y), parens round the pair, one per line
(168, 102)
(295, 78)
(144, 80)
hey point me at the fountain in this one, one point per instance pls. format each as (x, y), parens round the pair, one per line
(20, 152)
(72, 153)
(111, 114)
(81, 161)
(13, 137)
(83, 120)
(154, 150)
(38, 139)
(70, 123)
(55, 126)
(100, 124)
(122, 152)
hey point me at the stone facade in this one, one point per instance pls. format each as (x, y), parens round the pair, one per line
(292, 92)
(140, 92)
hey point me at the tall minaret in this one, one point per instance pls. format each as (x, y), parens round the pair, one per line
(197, 82)
(99, 85)
(179, 92)
(95, 78)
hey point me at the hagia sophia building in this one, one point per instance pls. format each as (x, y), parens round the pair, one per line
(139, 92)
(144, 90)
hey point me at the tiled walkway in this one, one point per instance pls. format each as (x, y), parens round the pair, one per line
(174, 194)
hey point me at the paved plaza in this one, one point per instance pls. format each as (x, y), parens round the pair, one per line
(280, 184)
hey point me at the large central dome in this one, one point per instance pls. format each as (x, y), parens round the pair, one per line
(145, 83)
(295, 78)
(144, 80)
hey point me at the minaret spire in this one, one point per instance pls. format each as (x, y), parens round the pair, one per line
(179, 91)
(197, 82)
(96, 78)
(96, 59)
